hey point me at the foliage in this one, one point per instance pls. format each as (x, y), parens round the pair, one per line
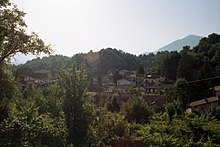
(113, 105)
(107, 127)
(13, 36)
(114, 59)
(27, 128)
(136, 110)
(8, 91)
(171, 111)
(170, 64)
(52, 63)
(77, 117)
(52, 101)
(30, 125)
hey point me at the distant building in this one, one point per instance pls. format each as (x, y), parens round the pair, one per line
(123, 82)
(43, 75)
(205, 104)
(152, 89)
(217, 90)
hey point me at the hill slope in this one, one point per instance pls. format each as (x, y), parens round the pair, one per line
(190, 40)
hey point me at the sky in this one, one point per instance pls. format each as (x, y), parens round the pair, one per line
(134, 26)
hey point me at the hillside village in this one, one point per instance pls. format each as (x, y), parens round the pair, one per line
(148, 87)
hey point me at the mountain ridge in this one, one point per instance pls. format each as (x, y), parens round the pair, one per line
(177, 45)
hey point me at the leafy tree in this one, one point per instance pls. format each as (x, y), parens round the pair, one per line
(3, 2)
(76, 114)
(8, 90)
(14, 39)
(99, 80)
(116, 59)
(182, 91)
(171, 111)
(116, 77)
(136, 110)
(113, 105)
(177, 97)
(188, 66)
(25, 127)
(141, 69)
(170, 64)
(52, 101)
(13, 36)
(107, 127)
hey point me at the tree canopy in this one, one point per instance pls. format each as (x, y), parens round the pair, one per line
(13, 35)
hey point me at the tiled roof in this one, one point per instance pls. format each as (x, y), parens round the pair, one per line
(152, 87)
(95, 89)
(217, 88)
(154, 99)
(204, 101)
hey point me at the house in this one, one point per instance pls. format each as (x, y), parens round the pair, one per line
(152, 89)
(121, 89)
(150, 80)
(217, 90)
(110, 88)
(123, 73)
(42, 75)
(140, 80)
(29, 80)
(132, 78)
(205, 104)
(96, 89)
(123, 82)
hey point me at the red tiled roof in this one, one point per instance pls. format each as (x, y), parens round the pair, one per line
(95, 89)
(124, 96)
(152, 87)
(204, 101)
(154, 99)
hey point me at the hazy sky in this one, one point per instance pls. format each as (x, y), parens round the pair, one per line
(134, 26)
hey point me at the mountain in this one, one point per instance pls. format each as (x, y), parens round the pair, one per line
(190, 40)
(21, 58)
(146, 53)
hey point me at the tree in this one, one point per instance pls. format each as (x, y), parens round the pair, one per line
(76, 114)
(113, 105)
(116, 76)
(8, 90)
(13, 36)
(99, 80)
(140, 69)
(169, 65)
(14, 39)
(136, 110)
(3, 2)
(182, 91)
(188, 66)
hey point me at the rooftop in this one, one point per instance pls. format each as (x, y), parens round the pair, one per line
(204, 101)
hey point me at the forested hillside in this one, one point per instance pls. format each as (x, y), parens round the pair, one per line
(200, 62)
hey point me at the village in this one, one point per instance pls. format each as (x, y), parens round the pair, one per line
(148, 87)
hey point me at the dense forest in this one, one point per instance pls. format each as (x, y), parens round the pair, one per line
(64, 113)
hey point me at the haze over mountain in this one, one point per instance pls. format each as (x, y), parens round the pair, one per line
(190, 40)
